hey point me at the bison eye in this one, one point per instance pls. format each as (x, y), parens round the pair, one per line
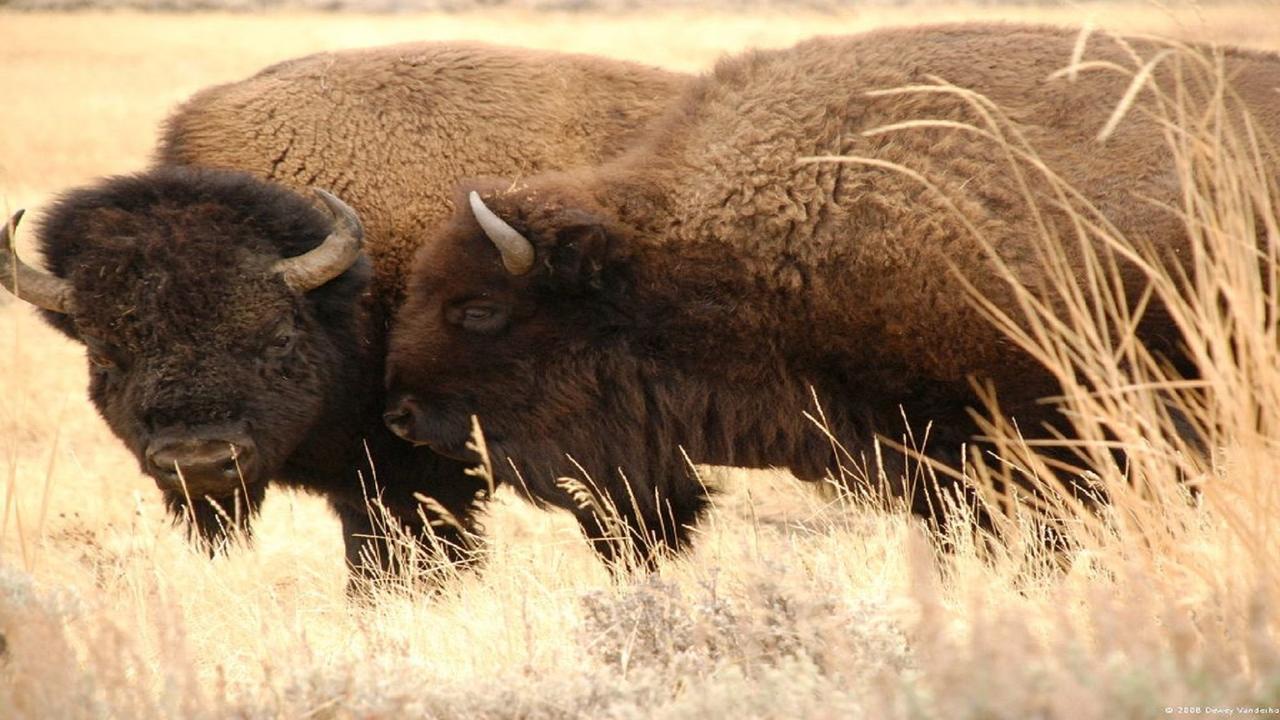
(101, 360)
(281, 341)
(101, 354)
(478, 316)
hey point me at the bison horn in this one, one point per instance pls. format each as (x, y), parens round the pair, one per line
(36, 287)
(330, 258)
(517, 251)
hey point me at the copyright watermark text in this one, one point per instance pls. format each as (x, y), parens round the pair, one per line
(1221, 710)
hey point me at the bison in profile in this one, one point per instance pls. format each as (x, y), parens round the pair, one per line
(235, 330)
(692, 297)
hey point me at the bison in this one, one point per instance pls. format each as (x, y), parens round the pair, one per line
(691, 298)
(235, 331)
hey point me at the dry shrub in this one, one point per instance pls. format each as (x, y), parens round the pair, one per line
(768, 620)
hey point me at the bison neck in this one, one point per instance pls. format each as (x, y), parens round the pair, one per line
(724, 362)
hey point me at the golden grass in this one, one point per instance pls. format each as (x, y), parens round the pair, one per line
(793, 604)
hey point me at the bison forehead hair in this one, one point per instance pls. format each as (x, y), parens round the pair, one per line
(183, 246)
(188, 323)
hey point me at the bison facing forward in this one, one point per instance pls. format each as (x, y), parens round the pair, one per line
(694, 295)
(219, 362)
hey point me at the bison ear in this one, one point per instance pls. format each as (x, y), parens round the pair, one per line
(580, 251)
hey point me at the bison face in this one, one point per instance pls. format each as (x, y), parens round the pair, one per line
(506, 320)
(216, 313)
(211, 386)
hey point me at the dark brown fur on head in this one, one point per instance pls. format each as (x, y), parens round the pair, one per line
(194, 338)
(187, 325)
(472, 318)
(542, 350)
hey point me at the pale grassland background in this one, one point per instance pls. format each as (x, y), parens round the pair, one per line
(792, 605)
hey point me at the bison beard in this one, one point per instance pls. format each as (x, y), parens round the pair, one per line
(210, 519)
(700, 295)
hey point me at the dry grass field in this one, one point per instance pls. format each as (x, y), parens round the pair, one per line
(794, 603)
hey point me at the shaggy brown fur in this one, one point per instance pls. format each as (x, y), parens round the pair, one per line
(182, 340)
(688, 296)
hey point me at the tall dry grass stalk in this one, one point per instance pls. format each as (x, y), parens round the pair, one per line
(1198, 448)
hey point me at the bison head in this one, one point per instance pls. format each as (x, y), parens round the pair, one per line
(215, 309)
(511, 316)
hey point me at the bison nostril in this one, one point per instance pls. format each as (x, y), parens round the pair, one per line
(401, 418)
(162, 461)
(399, 421)
(241, 458)
(166, 472)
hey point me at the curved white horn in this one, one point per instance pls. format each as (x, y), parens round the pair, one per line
(330, 258)
(35, 286)
(517, 251)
